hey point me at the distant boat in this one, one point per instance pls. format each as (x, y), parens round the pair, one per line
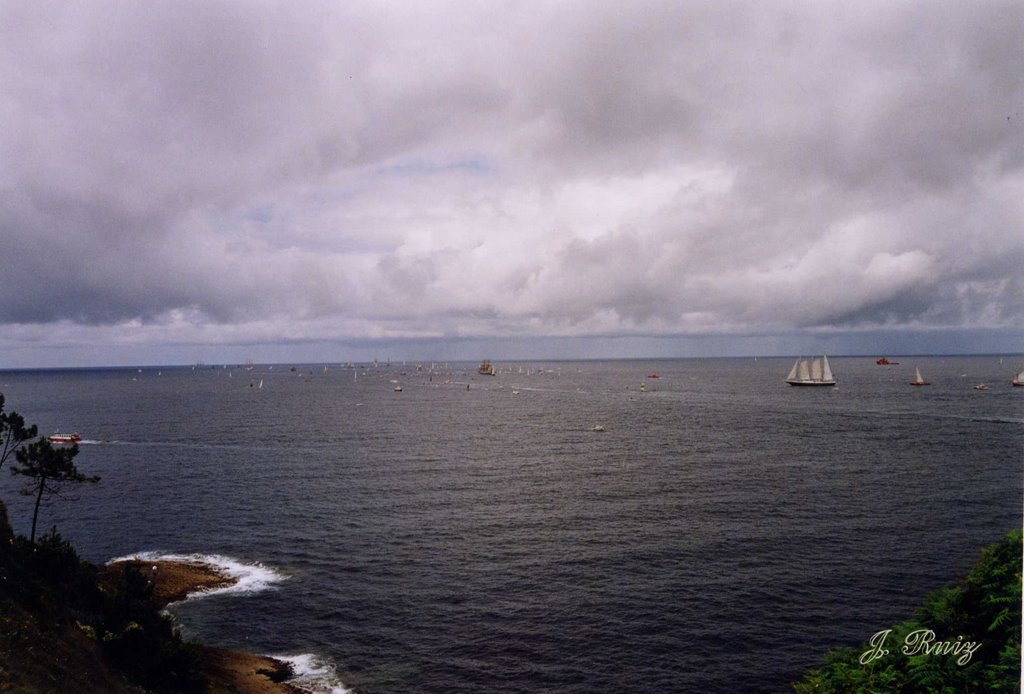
(981, 386)
(652, 376)
(597, 427)
(811, 372)
(487, 369)
(398, 389)
(918, 381)
(885, 362)
(1018, 380)
(71, 438)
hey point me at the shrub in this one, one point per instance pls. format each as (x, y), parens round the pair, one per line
(984, 608)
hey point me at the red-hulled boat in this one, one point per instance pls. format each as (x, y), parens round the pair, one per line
(74, 437)
(885, 362)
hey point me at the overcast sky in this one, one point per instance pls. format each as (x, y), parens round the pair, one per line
(222, 180)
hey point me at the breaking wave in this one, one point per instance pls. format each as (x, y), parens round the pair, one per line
(313, 674)
(248, 577)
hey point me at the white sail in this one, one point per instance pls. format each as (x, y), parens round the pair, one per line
(792, 372)
(805, 374)
(811, 372)
(917, 375)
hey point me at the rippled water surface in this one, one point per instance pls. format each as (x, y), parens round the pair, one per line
(719, 535)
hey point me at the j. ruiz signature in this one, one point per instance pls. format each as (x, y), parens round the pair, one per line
(921, 642)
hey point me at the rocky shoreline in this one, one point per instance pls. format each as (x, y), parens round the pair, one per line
(242, 672)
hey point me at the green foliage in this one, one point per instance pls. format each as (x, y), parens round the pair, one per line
(62, 594)
(49, 579)
(51, 600)
(144, 644)
(51, 468)
(984, 608)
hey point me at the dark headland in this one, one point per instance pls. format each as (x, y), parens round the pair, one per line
(68, 625)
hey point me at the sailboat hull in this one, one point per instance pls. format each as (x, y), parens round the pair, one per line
(811, 383)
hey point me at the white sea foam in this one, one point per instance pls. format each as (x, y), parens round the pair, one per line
(313, 674)
(248, 577)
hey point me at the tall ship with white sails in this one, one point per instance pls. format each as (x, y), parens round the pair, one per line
(811, 372)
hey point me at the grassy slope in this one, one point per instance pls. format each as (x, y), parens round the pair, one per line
(51, 655)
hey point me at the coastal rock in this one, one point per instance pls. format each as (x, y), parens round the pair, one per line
(229, 671)
(172, 581)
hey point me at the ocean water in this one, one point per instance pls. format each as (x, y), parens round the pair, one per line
(719, 535)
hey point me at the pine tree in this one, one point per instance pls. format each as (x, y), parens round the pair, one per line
(51, 469)
(13, 432)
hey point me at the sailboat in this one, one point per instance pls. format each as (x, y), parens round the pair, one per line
(918, 381)
(811, 372)
(1018, 380)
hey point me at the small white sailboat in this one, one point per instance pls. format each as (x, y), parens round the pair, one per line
(918, 381)
(1018, 380)
(811, 372)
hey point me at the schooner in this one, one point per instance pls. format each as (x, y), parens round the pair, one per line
(811, 372)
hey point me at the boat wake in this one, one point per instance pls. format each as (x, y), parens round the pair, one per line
(247, 578)
(910, 414)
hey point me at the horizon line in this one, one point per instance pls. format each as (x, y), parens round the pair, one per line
(391, 362)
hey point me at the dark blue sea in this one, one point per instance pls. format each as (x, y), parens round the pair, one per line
(720, 534)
